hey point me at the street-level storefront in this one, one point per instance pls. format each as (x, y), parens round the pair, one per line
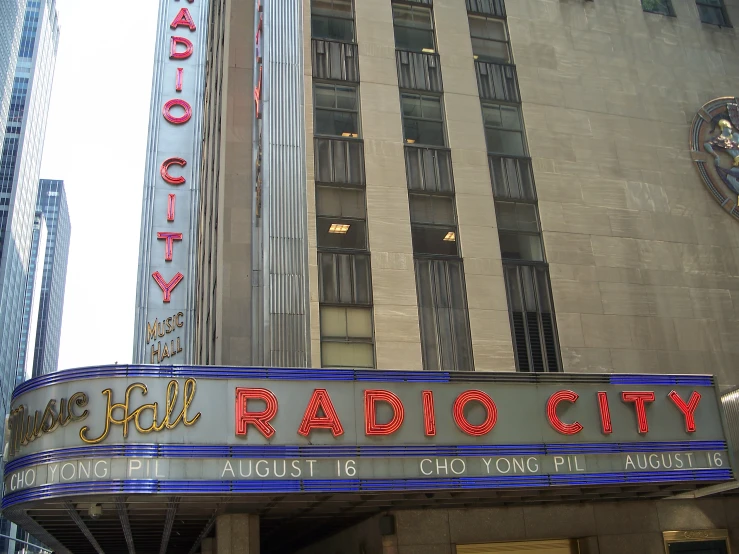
(190, 459)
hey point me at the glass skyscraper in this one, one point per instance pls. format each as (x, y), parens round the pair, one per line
(19, 175)
(52, 203)
(11, 24)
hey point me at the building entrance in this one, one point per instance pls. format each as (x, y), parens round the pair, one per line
(537, 547)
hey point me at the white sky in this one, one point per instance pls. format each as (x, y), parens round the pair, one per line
(96, 142)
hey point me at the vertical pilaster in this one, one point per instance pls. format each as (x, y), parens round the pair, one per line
(237, 534)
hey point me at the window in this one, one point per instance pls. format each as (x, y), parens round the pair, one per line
(423, 122)
(332, 20)
(433, 225)
(503, 129)
(518, 230)
(490, 39)
(346, 337)
(711, 541)
(344, 278)
(535, 341)
(713, 12)
(414, 29)
(341, 218)
(336, 110)
(658, 6)
(446, 342)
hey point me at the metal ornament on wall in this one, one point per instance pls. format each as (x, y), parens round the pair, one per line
(714, 144)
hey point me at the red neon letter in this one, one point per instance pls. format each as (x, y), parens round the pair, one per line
(184, 19)
(169, 244)
(170, 206)
(178, 80)
(174, 54)
(167, 111)
(258, 96)
(554, 421)
(458, 412)
(605, 413)
(311, 420)
(371, 427)
(166, 287)
(260, 420)
(164, 170)
(429, 417)
(688, 410)
(639, 398)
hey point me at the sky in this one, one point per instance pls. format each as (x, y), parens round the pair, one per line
(96, 142)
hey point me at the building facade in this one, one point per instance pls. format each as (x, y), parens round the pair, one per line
(32, 301)
(52, 202)
(11, 16)
(19, 174)
(453, 277)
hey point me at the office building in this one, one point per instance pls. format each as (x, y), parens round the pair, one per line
(418, 276)
(32, 301)
(19, 175)
(52, 202)
(11, 24)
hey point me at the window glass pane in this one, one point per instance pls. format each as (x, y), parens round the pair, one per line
(411, 105)
(412, 16)
(359, 322)
(339, 124)
(504, 142)
(487, 28)
(491, 115)
(434, 240)
(490, 51)
(698, 547)
(346, 98)
(432, 209)
(333, 322)
(424, 132)
(415, 40)
(332, 7)
(341, 233)
(325, 96)
(517, 246)
(332, 28)
(340, 202)
(515, 216)
(657, 6)
(431, 108)
(510, 118)
(713, 16)
(347, 354)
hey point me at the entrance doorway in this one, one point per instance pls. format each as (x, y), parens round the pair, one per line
(535, 547)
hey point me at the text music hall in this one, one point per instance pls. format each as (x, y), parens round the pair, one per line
(416, 277)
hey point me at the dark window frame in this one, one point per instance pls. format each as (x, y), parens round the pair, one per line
(448, 227)
(721, 9)
(506, 42)
(411, 118)
(521, 130)
(668, 9)
(415, 6)
(339, 16)
(355, 86)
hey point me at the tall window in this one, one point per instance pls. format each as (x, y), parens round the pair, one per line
(713, 12)
(535, 342)
(503, 129)
(442, 307)
(414, 28)
(658, 6)
(337, 110)
(345, 287)
(433, 224)
(423, 121)
(332, 20)
(489, 39)
(518, 229)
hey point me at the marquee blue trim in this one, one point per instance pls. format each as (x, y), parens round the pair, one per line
(46, 492)
(279, 452)
(371, 375)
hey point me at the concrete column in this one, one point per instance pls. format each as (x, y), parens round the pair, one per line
(237, 534)
(208, 546)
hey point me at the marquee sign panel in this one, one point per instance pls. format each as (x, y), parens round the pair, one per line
(236, 430)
